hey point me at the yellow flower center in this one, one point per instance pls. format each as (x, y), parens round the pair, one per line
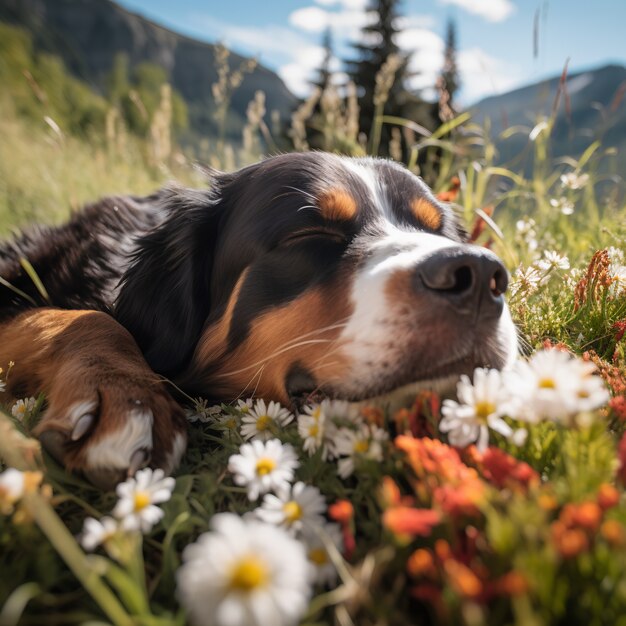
(248, 574)
(583, 394)
(231, 423)
(314, 430)
(265, 466)
(547, 383)
(361, 446)
(292, 511)
(263, 422)
(142, 500)
(318, 556)
(484, 409)
(316, 413)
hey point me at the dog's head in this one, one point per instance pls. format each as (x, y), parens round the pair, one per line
(314, 272)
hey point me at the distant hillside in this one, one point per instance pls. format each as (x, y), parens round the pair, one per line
(88, 34)
(597, 110)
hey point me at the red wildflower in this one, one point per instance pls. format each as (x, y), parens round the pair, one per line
(608, 496)
(419, 419)
(619, 328)
(410, 522)
(618, 406)
(503, 470)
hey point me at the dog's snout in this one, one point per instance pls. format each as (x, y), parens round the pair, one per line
(470, 280)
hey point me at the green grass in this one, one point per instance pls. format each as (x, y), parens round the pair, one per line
(46, 578)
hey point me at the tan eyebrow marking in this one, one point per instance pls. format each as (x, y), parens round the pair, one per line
(426, 212)
(337, 205)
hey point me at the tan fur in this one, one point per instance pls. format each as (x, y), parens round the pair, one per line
(260, 364)
(75, 357)
(337, 205)
(426, 212)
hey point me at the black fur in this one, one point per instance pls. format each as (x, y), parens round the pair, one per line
(192, 246)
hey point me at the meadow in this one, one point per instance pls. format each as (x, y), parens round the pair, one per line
(517, 517)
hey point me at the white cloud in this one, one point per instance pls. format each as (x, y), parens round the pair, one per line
(348, 4)
(315, 20)
(491, 10)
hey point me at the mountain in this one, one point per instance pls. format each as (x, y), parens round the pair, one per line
(88, 34)
(596, 110)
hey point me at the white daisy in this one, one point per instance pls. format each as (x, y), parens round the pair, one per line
(295, 508)
(363, 443)
(263, 466)
(12, 485)
(138, 496)
(564, 205)
(244, 406)
(202, 412)
(480, 408)
(317, 551)
(554, 385)
(244, 573)
(23, 407)
(317, 428)
(552, 260)
(574, 181)
(97, 532)
(261, 420)
(525, 280)
(228, 422)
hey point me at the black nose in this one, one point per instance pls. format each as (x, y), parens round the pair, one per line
(471, 280)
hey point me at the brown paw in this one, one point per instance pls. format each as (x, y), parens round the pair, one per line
(107, 425)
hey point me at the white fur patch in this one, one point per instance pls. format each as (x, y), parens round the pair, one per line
(114, 450)
(178, 449)
(80, 409)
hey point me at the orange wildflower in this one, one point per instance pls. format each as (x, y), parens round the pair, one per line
(410, 522)
(608, 496)
(341, 511)
(453, 191)
(511, 584)
(588, 515)
(462, 579)
(373, 415)
(389, 493)
(455, 487)
(569, 542)
(613, 532)
(421, 563)
(442, 550)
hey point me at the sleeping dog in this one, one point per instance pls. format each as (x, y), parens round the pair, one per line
(301, 273)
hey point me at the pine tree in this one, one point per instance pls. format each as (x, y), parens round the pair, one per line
(378, 43)
(324, 73)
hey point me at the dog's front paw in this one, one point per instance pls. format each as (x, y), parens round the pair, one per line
(108, 425)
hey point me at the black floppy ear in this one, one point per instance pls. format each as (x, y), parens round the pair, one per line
(164, 295)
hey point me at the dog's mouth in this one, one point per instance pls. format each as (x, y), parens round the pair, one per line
(302, 388)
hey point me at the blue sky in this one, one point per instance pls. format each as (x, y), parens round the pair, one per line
(495, 36)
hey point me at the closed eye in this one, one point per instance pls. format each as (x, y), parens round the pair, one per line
(315, 233)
